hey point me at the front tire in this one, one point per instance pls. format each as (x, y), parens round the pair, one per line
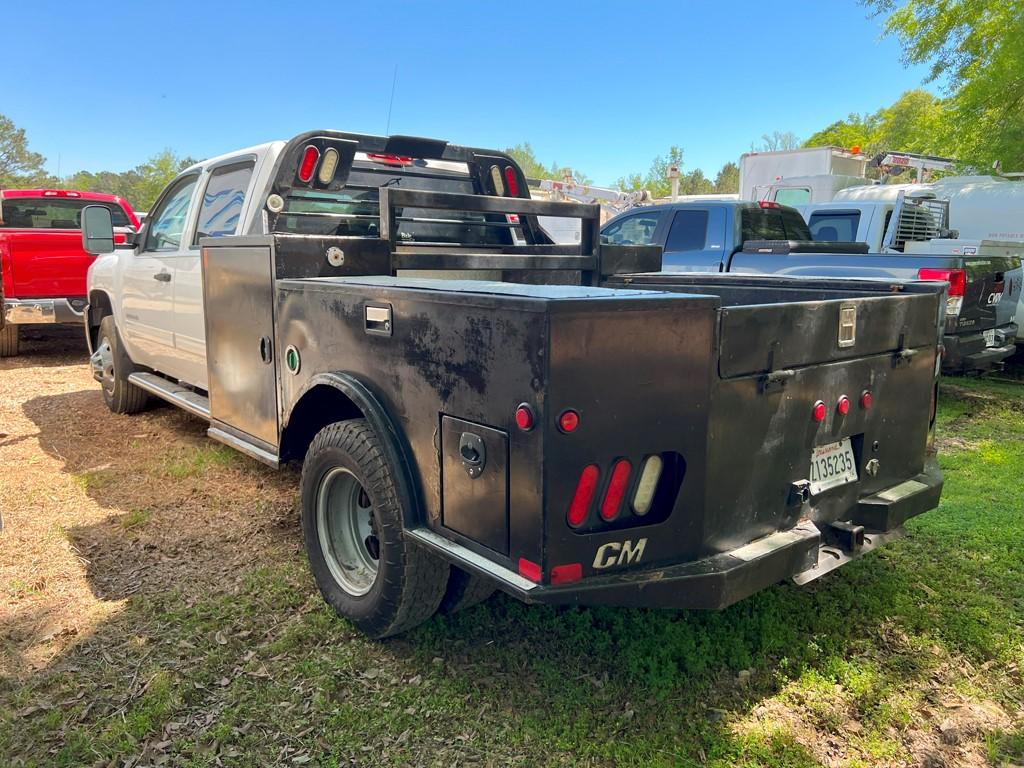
(10, 340)
(365, 568)
(111, 366)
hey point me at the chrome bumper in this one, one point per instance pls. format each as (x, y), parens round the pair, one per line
(28, 311)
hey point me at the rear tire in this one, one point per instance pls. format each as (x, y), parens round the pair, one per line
(10, 340)
(113, 366)
(365, 568)
(464, 591)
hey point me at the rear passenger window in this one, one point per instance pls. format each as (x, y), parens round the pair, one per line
(221, 211)
(793, 196)
(633, 230)
(689, 231)
(835, 226)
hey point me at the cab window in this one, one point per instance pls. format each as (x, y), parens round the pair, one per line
(793, 196)
(689, 231)
(633, 230)
(221, 211)
(835, 226)
(167, 223)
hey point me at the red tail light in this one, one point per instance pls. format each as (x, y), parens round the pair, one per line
(866, 400)
(568, 421)
(524, 417)
(769, 204)
(511, 182)
(957, 279)
(585, 488)
(396, 160)
(843, 406)
(616, 489)
(309, 157)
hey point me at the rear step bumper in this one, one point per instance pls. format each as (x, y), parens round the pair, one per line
(968, 352)
(802, 554)
(31, 311)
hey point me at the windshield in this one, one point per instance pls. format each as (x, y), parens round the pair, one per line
(54, 213)
(354, 210)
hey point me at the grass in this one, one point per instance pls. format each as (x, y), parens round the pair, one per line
(914, 650)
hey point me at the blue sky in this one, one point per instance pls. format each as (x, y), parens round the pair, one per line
(602, 87)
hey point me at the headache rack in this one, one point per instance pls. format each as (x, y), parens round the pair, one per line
(916, 219)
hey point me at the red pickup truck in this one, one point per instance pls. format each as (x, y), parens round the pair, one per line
(41, 257)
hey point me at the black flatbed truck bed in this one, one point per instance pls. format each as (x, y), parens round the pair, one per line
(580, 430)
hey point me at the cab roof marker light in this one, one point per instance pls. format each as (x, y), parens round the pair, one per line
(650, 473)
(309, 157)
(328, 166)
(496, 182)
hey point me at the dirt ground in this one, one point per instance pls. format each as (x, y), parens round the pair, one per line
(75, 481)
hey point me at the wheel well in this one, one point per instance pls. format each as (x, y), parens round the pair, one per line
(320, 406)
(99, 307)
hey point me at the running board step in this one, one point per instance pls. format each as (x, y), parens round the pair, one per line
(183, 397)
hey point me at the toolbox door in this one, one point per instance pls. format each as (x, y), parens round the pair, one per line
(474, 481)
(238, 298)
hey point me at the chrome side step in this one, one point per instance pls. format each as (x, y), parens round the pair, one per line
(183, 397)
(244, 446)
(506, 579)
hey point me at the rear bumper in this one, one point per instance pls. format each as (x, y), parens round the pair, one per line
(969, 352)
(801, 554)
(50, 311)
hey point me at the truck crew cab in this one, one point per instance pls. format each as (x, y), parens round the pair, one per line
(476, 407)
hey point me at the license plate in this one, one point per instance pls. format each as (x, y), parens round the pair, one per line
(832, 465)
(990, 338)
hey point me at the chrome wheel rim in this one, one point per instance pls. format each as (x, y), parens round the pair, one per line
(347, 531)
(103, 364)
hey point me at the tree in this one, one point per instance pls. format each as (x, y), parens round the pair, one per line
(524, 155)
(18, 165)
(776, 141)
(656, 181)
(975, 46)
(727, 180)
(140, 186)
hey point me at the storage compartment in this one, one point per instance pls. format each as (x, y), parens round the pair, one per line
(474, 482)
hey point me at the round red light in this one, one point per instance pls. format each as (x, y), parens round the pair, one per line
(568, 421)
(819, 411)
(866, 400)
(524, 417)
(843, 406)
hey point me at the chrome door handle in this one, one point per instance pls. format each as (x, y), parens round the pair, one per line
(163, 277)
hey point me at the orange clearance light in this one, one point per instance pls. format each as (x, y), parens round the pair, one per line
(819, 411)
(309, 157)
(616, 489)
(843, 406)
(524, 417)
(568, 421)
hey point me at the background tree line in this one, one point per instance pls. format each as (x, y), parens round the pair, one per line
(974, 47)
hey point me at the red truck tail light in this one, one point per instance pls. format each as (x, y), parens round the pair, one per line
(843, 405)
(395, 160)
(567, 574)
(524, 417)
(568, 421)
(309, 157)
(866, 399)
(820, 411)
(530, 570)
(957, 279)
(616, 489)
(511, 182)
(580, 504)
(769, 204)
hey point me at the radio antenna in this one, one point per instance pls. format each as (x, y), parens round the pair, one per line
(391, 103)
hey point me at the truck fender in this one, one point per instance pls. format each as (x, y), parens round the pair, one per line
(350, 398)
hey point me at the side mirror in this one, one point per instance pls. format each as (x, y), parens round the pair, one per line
(97, 230)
